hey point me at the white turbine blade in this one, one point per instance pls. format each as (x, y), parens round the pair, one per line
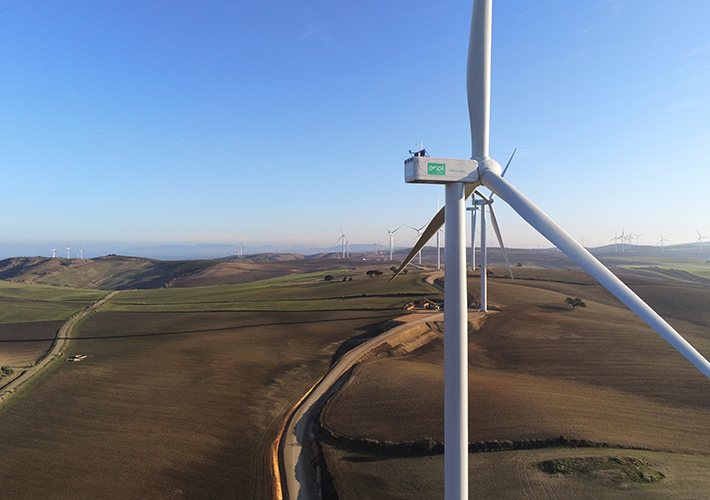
(428, 233)
(494, 222)
(503, 175)
(558, 237)
(508, 164)
(481, 195)
(436, 223)
(478, 77)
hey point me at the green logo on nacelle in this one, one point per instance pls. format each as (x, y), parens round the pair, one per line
(436, 168)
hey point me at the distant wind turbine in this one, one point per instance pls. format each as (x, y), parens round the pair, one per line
(461, 177)
(68, 251)
(343, 240)
(391, 235)
(419, 232)
(474, 210)
(54, 252)
(487, 203)
(700, 240)
(660, 242)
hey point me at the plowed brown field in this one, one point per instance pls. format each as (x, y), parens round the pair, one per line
(539, 370)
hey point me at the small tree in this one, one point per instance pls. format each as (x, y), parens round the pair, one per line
(393, 269)
(575, 302)
(373, 272)
(329, 277)
(6, 370)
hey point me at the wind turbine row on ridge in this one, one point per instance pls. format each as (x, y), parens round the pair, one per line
(461, 178)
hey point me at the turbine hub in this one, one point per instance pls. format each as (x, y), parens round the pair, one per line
(486, 163)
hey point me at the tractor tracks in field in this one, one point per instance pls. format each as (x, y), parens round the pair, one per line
(538, 488)
(63, 335)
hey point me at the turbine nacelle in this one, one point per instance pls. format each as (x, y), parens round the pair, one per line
(427, 170)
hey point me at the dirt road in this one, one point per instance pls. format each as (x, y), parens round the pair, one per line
(62, 336)
(297, 438)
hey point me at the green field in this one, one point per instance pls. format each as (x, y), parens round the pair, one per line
(31, 316)
(298, 292)
(20, 302)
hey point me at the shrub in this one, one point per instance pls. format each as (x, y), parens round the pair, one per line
(6, 370)
(329, 277)
(575, 302)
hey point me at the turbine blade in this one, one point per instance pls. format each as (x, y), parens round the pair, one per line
(428, 233)
(478, 77)
(494, 222)
(436, 223)
(558, 237)
(481, 195)
(508, 164)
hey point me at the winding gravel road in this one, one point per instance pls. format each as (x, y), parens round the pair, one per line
(296, 440)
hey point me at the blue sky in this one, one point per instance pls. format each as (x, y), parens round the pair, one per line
(272, 122)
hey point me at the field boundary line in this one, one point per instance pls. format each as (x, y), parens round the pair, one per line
(63, 335)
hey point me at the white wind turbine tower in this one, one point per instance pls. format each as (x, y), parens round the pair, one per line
(54, 251)
(460, 178)
(419, 233)
(391, 235)
(660, 242)
(615, 239)
(474, 210)
(68, 251)
(81, 251)
(483, 203)
(438, 240)
(343, 240)
(700, 240)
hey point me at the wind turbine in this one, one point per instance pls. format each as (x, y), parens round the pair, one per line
(438, 240)
(419, 233)
(660, 242)
(81, 251)
(54, 251)
(474, 210)
(68, 251)
(486, 202)
(700, 240)
(391, 235)
(343, 240)
(615, 239)
(461, 177)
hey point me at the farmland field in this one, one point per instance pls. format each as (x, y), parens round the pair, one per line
(181, 393)
(30, 317)
(537, 370)
(515, 475)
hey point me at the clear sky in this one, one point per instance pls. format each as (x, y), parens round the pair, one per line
(271, 122)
